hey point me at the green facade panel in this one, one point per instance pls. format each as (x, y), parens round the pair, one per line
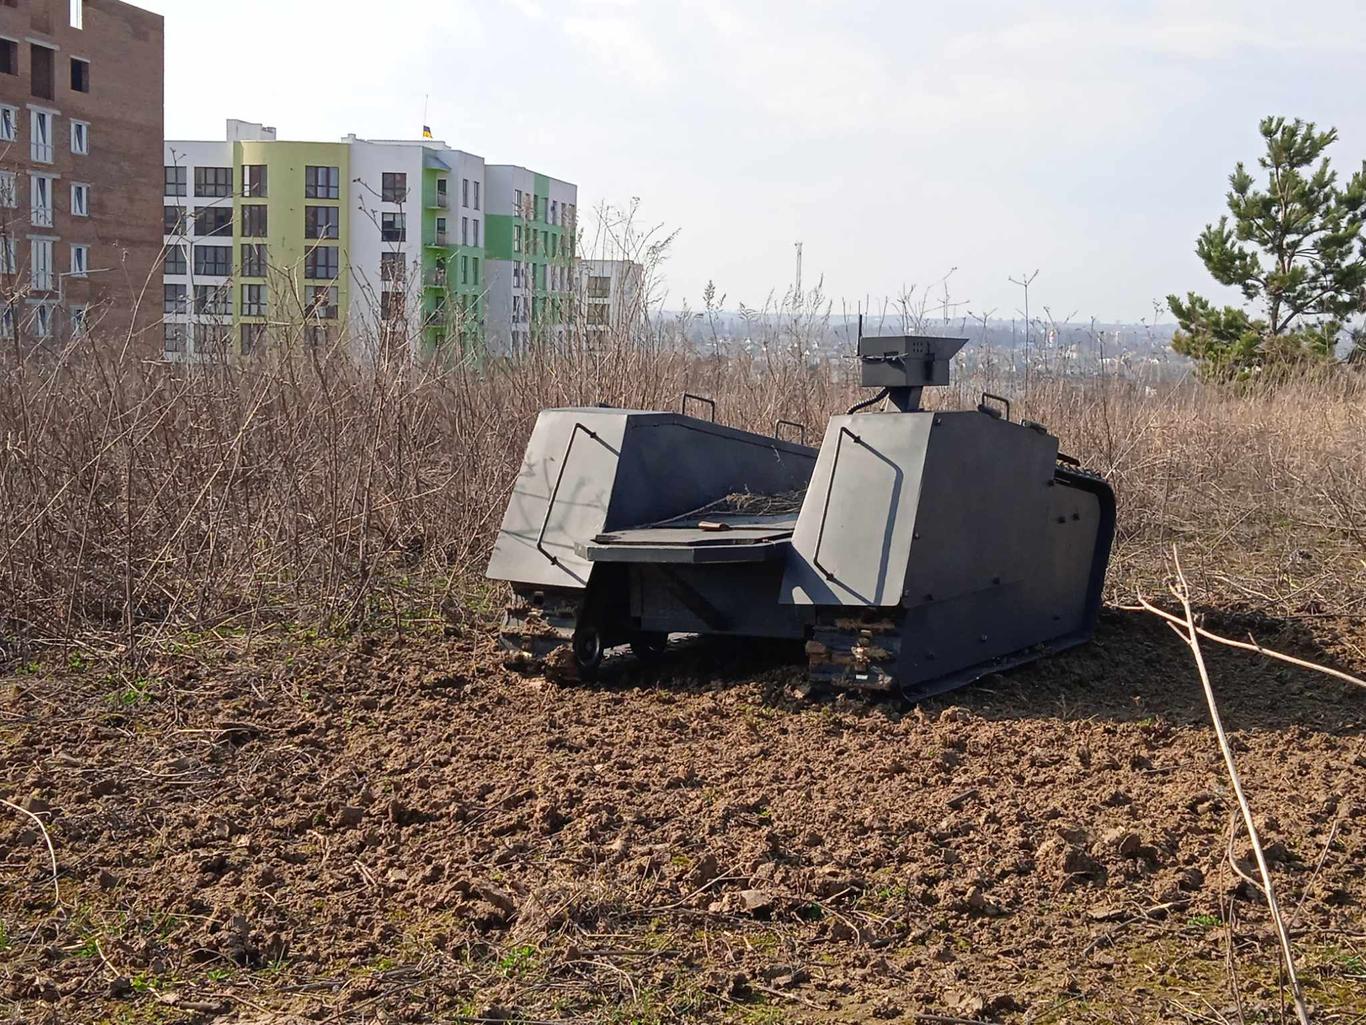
(286, 202)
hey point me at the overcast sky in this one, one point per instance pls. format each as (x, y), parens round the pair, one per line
(896, 140)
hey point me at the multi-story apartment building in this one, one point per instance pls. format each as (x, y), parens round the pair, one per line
(531, 244)
(610, 298)
(388, 241)
(81, 118)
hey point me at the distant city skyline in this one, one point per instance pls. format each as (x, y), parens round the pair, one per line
(896, 142)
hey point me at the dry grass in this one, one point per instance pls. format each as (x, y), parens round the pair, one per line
(141, 498)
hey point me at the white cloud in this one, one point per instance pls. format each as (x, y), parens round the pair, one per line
(620, 46)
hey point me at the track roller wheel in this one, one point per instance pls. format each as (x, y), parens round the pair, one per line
(650, 645)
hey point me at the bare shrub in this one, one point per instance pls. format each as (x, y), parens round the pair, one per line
(139, 498)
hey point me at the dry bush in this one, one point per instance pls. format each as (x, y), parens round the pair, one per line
(139, 498)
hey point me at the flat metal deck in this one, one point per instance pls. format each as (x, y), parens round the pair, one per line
(720, 537)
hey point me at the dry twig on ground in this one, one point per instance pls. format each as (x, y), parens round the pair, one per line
(1190, 633)
(51, 851)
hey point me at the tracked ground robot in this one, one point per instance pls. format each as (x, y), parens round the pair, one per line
(914, 550)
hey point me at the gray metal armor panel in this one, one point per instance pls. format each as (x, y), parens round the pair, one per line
(853, 537)
(585, 466)
(612, 469)
(983, 517)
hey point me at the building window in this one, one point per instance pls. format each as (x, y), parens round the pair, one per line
(41, 193)
(253, 260)
(443, 200)
(78, 320)
(40, 145)
(173, 220)
(211, 300)
(42, 71)
(476, 232)
(322, 182)
(9, 57)
(322, 222)
(9, 123)
(173, 337)
(441, 231)
(517, 203)
(212, 182)
(599, 288)
(393, 228)
(80, 138)
(175, 264)
(213, 261)
(174, 299)
(253, 300)
(394, 187)
(176, 180)
(464, 231)
(253, 336)
(322, 302)
(9, 259)
(80, 200)
(40, 264)
(474, 266)
(254, 221)
(391, 306)
(80, 75)
(322, 263)
(80, 261)
(254, 181)
(476, 195)
(516, 238)
(392, 268)
(9, 189)
(597, 314)
(42, 320)
(516, 275)
(213, 221)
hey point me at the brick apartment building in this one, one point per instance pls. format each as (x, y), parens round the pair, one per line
(81, 127)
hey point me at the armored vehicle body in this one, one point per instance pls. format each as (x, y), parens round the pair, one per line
(913, 550)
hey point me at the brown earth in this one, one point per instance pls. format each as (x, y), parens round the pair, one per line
(299, 829)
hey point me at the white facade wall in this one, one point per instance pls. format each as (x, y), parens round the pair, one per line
(370, 161)
(622, 308)
(187, 336)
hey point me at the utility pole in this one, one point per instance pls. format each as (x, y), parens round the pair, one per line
(1025, 282)
(798, 247)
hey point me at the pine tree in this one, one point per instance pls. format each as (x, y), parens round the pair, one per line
(1295, 249)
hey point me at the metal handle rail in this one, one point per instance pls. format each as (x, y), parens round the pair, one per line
(555, 491)
(683, 405)
(830, 490)
(995, 398)
(789, 423)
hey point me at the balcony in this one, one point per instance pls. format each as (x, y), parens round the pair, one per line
(442, 201)
(435, 277)
(440, 238)
(42, 216)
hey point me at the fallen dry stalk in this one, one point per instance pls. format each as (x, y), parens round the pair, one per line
(1191, 636)
(51, 851)
(1145, 605)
